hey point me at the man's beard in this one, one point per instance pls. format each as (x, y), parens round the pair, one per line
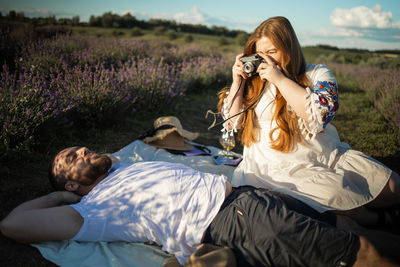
(96, 170)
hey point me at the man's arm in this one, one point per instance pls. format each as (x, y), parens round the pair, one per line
(43, 219)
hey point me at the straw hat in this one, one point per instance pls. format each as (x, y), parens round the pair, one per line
(169, 134)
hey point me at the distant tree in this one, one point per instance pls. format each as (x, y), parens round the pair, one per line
(127, 21)
(356, 50)
(388, 51)
(75, 20)
(107, 20)
(95, 21)
(241, 38)
(51, 20)
(64, 21)
(12, 14)
(328, 47)
(166, 24)
(20, 16)
(219, 30)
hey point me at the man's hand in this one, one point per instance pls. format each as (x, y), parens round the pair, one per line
(64, 197)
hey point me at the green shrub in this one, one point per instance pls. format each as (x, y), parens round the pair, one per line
(117, 33)
(223, 41)
(241, 38)
(159, 30)
(188, 38)
(172, 35)
(136, 31)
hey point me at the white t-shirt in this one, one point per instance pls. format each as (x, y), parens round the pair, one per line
(156, 202)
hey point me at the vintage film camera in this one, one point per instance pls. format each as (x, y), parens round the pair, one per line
(251, 63)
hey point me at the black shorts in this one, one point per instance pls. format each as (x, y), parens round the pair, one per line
(266, 228)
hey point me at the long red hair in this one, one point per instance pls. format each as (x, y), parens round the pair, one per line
(293, 65)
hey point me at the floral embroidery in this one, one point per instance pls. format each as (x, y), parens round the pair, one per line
(322, 104)
(327, 101)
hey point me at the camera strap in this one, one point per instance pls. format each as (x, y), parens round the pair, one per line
(215, 114)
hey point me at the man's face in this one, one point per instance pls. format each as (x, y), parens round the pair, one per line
(81, 165)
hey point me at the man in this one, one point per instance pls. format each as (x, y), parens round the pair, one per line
(178, 208)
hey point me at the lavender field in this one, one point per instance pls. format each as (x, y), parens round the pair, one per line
(65, 82)
(382, 86)
(86, 81)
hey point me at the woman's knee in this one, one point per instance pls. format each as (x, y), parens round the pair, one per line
(394, 183)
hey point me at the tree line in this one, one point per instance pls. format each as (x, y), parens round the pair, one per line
(126, 21)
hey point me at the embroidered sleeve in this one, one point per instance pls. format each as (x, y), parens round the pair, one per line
(322, 105)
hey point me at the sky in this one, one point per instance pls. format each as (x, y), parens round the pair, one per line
(362, 24)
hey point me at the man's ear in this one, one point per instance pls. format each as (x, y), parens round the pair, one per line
(71, 186)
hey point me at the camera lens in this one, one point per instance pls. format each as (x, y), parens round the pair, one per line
(248, 67)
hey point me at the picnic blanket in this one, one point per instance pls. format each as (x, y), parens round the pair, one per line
(73, 253)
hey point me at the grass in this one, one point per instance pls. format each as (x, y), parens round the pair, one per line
(361, 125)
(212, 41)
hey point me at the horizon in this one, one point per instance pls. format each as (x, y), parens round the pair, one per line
(355, 24)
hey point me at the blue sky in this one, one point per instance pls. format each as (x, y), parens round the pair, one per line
(344, 23)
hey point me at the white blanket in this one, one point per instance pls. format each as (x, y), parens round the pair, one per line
(73, 253)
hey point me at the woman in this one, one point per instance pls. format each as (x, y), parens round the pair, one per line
(289, 144)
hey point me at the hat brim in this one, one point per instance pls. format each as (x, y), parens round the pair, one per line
(185, 147)
(163, 133)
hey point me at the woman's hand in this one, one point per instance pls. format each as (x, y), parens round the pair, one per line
(269, 71)
(238, 71)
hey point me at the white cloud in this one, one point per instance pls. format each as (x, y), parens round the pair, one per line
(362, 17)
(129, 11)
(342, 32)
(360, 27)
(396, 25)
(194, 16)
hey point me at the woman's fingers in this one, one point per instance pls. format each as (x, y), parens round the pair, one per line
(237, 69)
(269, 71)
(269, 60)
(238, 57)
(261, 69)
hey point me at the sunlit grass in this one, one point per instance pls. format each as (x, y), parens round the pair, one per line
(363, 126)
